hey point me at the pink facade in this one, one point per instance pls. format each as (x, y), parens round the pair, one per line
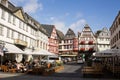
(53, 42)
(75, 44)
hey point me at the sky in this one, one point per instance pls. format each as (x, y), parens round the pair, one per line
(73, 14)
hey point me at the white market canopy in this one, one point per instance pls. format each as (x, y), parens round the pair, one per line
(107, 53)
(38, 52)
(10, 48)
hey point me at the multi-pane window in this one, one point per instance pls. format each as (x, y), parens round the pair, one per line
(14, 20)
(26, 28)
(12, 34)
(119, 21)
(3, 14)
(18, 35)
(1, 30)
(25, 38)
(20, 24)
(119, 34)
(9, 18)
(8, 32)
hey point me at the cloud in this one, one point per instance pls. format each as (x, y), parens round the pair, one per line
(78, 25)
(79, 15)
(60, 26)
(52, 18)
(67, 14)
(32, 6)
(17, 2)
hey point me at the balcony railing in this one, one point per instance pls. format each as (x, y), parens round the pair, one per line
(20, 42)
(91, 49)
(90, 42)
(82, 49)
(82, 42)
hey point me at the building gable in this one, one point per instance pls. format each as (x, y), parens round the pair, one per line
(19, 13)
(70, 34)
(54, 33)
(87, 34)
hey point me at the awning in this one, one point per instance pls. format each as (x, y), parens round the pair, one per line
(38, 52)
(68, 55)
(12, 49)
(42, 52)
(107, 53)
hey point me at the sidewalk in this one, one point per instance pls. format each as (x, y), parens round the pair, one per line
(7, 74)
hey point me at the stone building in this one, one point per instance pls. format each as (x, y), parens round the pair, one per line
(115, 32)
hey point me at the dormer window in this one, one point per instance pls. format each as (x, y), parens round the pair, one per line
(4, 2)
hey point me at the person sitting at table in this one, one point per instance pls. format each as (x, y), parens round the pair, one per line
(19, 67)
(9, 64)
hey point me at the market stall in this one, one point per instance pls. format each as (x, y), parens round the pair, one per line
(110, 59)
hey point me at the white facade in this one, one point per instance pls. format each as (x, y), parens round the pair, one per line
(13, 28)
(103, 39)
(42, 41)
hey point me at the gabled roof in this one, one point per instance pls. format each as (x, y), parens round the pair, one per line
(87, 32)
(48, 28)
(70, 34)
(79, 34)
(60, 35)
(14, 9)
(42, 30)
(104, 30)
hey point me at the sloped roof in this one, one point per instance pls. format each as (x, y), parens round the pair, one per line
(86, 26)
(98, 32)
(48, 28)
(79, 34)
(12, 7)
(70, 34)
(104, 30)
(60, 35)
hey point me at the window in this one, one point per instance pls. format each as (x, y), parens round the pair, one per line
(9, 18)
(26, 38)
(18, 35)
(14, 19)
(119, 21)
(8, 33)
(12, 34)
(20, 24)
(1, 30)
(3, 14)
(26, 28)
(60, 47)
(119, 34)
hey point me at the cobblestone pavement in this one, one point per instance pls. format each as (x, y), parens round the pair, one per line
(71, 72)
